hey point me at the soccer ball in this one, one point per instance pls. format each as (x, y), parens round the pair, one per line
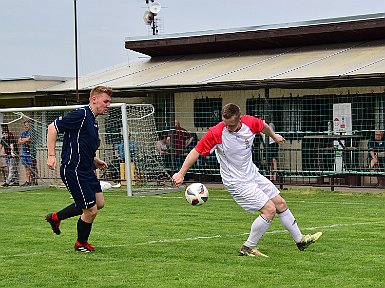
(196, 194)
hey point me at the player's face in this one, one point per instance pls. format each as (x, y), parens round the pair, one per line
(102, 103)
(232, 124)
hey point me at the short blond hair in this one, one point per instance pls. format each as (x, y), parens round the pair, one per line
(100, 90)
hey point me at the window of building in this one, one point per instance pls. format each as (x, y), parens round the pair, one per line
(207, 112)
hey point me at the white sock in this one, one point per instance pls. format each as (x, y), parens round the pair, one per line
(288, 221)
(258, 228)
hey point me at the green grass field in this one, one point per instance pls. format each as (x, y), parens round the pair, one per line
(161, 241)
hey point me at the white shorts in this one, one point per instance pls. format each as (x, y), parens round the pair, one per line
(253, 196)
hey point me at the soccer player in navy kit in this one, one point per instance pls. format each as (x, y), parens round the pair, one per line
(78, 161)
(232, 140)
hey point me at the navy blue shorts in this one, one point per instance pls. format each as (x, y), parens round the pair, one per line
(82, 185)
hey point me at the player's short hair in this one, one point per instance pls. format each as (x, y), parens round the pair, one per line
(100, 90)
(231, 110)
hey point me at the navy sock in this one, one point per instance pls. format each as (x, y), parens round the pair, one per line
(69, 211)
(84, 230)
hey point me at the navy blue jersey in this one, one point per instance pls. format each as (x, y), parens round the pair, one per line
(81, 138)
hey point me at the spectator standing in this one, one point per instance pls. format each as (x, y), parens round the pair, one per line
(132, 146)
(376, 147)
(178, 139)
(162, 149)
(25, 142)
(3, 164)
(8, 141)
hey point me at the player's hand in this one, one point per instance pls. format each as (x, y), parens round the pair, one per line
(178, 178)
(279, 139)
(51, 162)
(100, 164)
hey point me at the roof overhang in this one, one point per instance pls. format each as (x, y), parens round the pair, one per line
(346, 29)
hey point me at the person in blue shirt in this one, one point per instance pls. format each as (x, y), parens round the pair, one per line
(78, 162)
(26, 161)
(119, 154)
(132, 146)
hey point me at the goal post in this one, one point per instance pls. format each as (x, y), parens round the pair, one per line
(127, 134)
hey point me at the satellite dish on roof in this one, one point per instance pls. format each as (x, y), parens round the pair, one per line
(154, 7)
(148, 17)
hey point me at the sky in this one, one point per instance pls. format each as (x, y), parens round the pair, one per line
(37, 36)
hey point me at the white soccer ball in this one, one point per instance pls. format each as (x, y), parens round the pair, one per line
(196, 194)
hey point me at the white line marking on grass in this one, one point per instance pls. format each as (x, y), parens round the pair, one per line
(247, 233)
(182, 239)
(26, 255)
(46, 253)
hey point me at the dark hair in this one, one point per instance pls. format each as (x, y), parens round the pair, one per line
(230, 110)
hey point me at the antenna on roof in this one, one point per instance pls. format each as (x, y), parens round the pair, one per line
(149, 16)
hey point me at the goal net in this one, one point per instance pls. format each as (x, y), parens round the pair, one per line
(127, 144)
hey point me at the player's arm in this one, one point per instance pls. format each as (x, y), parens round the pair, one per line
(269, 132)
(190, 160)
(51, 144)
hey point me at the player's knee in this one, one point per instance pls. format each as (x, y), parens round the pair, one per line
(268, 211)
(280, 205)
(91, 213)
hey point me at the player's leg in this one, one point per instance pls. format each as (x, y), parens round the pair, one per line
(70, 211)
(285, 216)
(261, 224)
(258, 229)
(290, 223)
(84, 225)
(99, 200)
(55, 218)
(252, 199)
